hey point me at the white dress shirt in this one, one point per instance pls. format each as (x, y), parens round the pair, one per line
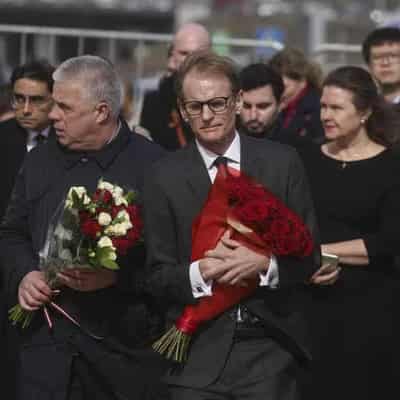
(200, 288)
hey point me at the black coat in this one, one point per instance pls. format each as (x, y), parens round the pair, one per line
(13, 151)
(121, 313)
(156, 116)
(305, 127)
(174, 194)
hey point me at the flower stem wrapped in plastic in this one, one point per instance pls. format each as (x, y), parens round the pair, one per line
(87, 231)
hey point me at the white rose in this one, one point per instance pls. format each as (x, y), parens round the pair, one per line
(105, 241)
(119, 200)
(119, 230)
(103, 185)
(117, 191)
(80, 191)
(104, 219)
(127, 225)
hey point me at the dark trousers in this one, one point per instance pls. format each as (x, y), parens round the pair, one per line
(256, 369)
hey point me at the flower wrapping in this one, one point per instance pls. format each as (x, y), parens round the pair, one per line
(258, 220)
(87, 231)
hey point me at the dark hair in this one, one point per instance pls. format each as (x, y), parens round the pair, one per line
(377, 38)
(39, 70)
(383, 124)
(258, 75)
(293, 63)
(206, 61)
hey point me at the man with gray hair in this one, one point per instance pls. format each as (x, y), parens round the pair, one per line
(95, 359)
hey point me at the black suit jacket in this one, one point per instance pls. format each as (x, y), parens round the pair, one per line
(13, 151)
(174, 194)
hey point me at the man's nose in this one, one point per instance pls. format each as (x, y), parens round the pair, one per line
(27, 107)
(206, 113)
(53, 113)
(253, 113)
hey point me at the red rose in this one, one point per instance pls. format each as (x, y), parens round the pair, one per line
(115, 210)
(91, 228)
(121, 244)
(102, 195)
(83, 216)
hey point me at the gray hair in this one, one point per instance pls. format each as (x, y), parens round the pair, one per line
(98, 78)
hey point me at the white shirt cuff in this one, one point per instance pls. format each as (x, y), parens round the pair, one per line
(271, 277)
(200, 288)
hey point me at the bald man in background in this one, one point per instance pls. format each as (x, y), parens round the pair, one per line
(159, 114)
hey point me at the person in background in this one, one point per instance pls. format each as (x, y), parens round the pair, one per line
(104, 357)
(160, 114)
(381, 52)
(31, 88)
(299, 120)
(262, 92)
(354, 179)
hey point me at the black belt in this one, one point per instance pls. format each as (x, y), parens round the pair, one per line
(247, 325)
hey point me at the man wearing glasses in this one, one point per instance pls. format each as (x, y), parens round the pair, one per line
(381, 51)
(32, 84)
(256, 349)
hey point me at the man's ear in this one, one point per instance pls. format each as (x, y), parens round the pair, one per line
(182, 111)
(103, 112)
(239, 102)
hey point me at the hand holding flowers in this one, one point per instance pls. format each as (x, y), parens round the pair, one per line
(82, 247)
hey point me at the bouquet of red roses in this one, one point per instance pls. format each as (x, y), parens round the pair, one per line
(258, 220)
(88, 231)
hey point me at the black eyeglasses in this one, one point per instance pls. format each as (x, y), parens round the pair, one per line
(19, 100)
(217, 105)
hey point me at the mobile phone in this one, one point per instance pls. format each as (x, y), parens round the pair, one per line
(330, 262)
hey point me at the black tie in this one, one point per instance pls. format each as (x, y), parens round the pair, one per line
(40, 139)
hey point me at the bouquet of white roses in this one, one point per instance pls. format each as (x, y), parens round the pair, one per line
(89, 230)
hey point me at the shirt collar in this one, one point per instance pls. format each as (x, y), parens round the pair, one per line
(232, 153)
(106, 155)
(45, 132)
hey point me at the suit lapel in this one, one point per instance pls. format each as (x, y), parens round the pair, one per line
(250, 163)
(197, 178)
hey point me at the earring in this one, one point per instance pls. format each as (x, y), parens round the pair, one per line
(362, 121)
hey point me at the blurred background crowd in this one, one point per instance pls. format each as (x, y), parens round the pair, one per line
(135, 34)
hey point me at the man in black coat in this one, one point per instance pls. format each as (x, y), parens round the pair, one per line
(256, 349)
(159, 113)
(31, 87)
(31, 84)
(95, 360)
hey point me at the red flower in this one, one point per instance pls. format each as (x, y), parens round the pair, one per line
(121, 244)
(91, 228)
(103, 196)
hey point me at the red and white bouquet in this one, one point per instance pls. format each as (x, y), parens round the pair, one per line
(88, 231)
(258, 220)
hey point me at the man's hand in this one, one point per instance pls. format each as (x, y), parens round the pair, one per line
(326, 275)
(33, 291)
(231, 263)
(87, 280)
